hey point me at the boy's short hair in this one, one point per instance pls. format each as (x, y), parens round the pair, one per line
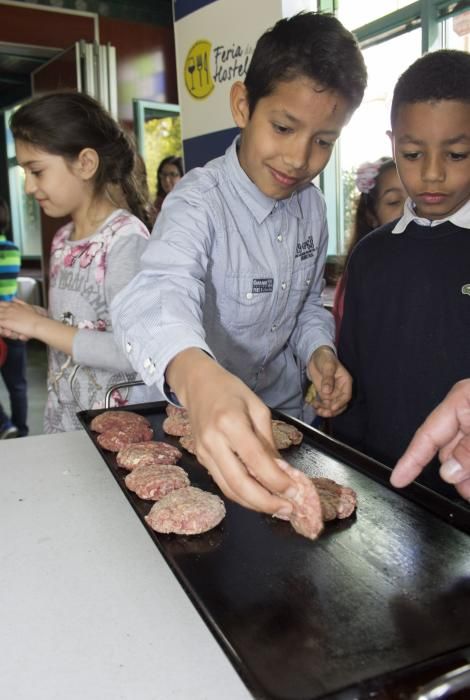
(439, 75)
(309, 44)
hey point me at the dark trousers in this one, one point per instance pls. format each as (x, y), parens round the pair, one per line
(14, 376)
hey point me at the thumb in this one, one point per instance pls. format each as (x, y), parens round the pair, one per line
(327, 377)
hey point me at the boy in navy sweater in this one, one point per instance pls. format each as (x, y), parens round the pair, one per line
(406, 327)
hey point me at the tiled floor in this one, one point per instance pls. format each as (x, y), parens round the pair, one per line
(37, 373)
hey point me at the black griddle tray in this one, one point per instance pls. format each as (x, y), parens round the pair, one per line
(377, 605)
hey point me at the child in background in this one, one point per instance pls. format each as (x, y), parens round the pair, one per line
(13, 369)
(170, 171)
(229, 293)
(381, 200)
(405, 330)
(79, 163)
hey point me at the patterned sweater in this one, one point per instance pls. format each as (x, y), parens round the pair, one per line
(85, 275)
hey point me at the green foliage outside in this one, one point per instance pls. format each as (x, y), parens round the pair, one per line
(162, 138)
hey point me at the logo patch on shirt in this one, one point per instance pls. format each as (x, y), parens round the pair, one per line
(262, 285)
(466, 289)
(306, 249)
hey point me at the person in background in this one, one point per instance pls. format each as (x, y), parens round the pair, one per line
(170, 171)
(381, 199)
(140, 170)
(78, 162)
(229, 295)
(405, 331)
(13, 369)
(447, 430)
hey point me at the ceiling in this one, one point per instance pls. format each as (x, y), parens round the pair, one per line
(17, 62)
(16, 65)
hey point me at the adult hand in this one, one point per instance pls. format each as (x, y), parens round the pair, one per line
(447, 430)
(232, 433)
(332, 382)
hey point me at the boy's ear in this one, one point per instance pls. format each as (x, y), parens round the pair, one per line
(87, 162)
(239, 104)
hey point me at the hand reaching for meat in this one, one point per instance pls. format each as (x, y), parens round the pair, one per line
(232, 433)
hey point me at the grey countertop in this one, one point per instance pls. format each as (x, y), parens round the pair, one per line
(88, 606)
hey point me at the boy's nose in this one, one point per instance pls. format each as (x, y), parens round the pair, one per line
(297, 156)
(433, 169)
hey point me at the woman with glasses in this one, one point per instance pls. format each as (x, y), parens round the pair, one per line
(169, 172)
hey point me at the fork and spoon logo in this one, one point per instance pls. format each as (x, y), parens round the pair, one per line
(197, 70)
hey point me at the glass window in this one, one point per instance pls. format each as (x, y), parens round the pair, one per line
(291, 7)
(354, 14)
(457, 32)
(365, 137)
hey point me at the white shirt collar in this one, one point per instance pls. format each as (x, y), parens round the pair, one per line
(460, 218)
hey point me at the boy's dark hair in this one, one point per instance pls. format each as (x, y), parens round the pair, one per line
(177, 161)
(439, 75)
(309, 44)
(64, 123)
(4, 216)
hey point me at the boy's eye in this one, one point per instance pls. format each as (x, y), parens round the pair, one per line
(325, 144)
(457, 156)
(280, 129)
(411, 155)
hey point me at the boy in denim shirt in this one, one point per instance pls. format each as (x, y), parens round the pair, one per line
(228, 301)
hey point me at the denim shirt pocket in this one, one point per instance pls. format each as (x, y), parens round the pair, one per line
(245, 305)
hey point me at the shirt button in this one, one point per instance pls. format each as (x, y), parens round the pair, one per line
(283, 285)
(147, 363)
(128, 347)
(249, 295)
(307, 282)
(273, 328)
(279, 238)
(151, 369)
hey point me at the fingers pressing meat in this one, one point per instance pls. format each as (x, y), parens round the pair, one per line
(116, 438)
(146, 453)
(156, 481)
(306, 517)
(187, 511)
(109, 420)
(336, 501)
(285, 435)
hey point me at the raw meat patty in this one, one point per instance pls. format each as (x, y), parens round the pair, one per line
(116, 419)
(177, 425)
(117, 438)
(188, 511)
(176, 411)
(285, 435)
(306, 517)
(336, 501)
(139, 454)
(156, 480)
(187, 443)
